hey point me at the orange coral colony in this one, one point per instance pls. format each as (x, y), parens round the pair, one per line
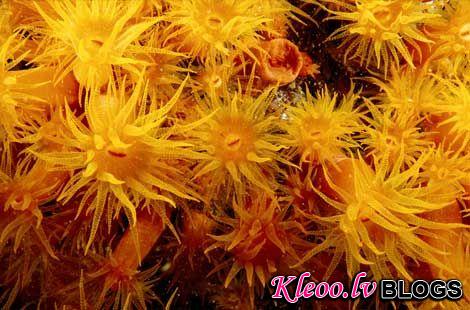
(187, 154)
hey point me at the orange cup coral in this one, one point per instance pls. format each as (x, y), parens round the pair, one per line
(179, 153)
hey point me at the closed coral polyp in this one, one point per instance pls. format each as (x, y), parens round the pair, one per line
(282, 61)
(262, 237)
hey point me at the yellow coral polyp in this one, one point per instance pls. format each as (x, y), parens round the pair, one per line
(123, 154)
(15, 97)
(459, 265)
(409, 91)
(89, 37)
(452, 32)
(5, 26)
(449, 167)
(213, 78)
(209, 29)
(458, 268)
(454, 106)
(20, 197)
(163, 69)
(391, 133)
(106, 284)
(321, 128)
(240, 142)
(379, 30)
(234, 142)
(378, 220)
(281, 14)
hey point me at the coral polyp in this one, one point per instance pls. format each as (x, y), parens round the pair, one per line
(262, 239)
(210, 29)
(21, 196)
(391, 134)
(281, 61)
(409, 91)
(240, 142)
(123, 159)
(454, 109)
(25, 245)
(89, 37)
(11, 92)
(321, 128)
(459, 267)
(451, 167)
(27, 93)
(163, 69)
(282, 14)
(379, 31)
(377, 208)
(452, 32)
